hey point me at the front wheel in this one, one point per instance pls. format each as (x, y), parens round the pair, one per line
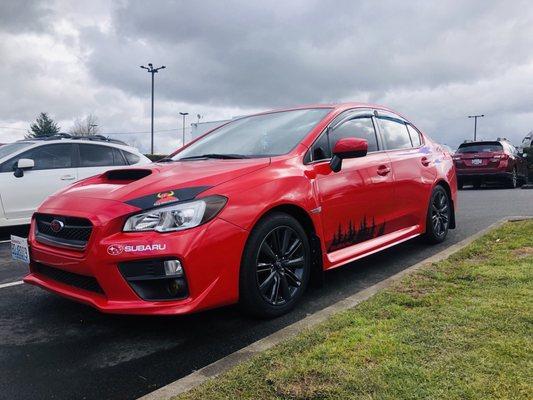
(275, 267)
(438, 216)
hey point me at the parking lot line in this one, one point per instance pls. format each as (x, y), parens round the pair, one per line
(4, 285)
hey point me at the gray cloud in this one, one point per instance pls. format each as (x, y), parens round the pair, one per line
(436, 62)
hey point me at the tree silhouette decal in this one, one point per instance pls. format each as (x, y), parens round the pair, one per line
(351, 236)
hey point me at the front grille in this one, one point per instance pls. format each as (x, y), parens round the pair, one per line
(68, 278)
(75, 232)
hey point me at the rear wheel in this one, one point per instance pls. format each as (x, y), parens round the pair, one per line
(513, 180)
(460, 184)
(275, 267)
(477, 183)
(438, 216)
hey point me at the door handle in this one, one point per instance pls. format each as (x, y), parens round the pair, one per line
(68, 177)
(383, 170)
(425, 161)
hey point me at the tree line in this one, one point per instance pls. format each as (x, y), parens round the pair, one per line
(45, 126)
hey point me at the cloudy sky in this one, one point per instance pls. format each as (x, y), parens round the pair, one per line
(435, 62)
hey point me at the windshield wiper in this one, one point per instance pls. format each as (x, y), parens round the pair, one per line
(215, 155)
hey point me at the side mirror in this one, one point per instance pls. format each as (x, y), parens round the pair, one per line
(23, 164)
(347, 148)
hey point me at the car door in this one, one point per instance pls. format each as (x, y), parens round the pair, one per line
(356, 201)
(95, 159)
(53, 170)
(413, 170)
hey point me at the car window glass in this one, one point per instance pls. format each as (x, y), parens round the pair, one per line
(395, 133)
(480, 147)
(117, 157)
(50, 156)
(415, 136)
(10, 148)
(132, 158)
(95, 156)
(356, 128)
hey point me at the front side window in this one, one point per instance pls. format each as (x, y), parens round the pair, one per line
(93, 155)
(362, 128)
(51, 156)
(394, 133)
(258, 135)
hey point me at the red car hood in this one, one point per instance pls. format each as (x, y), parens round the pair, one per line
(163, 177)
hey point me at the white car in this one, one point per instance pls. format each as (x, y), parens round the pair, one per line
(31, 170)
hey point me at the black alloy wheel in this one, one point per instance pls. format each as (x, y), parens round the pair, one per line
(275, 267)
(439, 215)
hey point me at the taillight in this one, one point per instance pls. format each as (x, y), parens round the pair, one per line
(456, 158)
(499, 157)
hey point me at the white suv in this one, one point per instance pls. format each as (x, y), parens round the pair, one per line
(31, 170)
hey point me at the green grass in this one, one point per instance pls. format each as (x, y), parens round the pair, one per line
(458, 329)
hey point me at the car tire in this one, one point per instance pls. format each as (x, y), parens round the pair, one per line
(512, 182)
(439, 216)
(476, 184)
(275, 267)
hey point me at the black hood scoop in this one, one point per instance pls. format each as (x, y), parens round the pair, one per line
(129, 175)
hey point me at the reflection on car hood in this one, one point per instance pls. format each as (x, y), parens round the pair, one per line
(187, 177)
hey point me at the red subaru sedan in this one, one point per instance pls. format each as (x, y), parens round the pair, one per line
(248, 213)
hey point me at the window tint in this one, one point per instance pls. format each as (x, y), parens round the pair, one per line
(95, 156)
(10, 148)
(356, 128)
(118, 159)
(394, 133)
(132, 158)
(45, 157)
(480, 147)
(415, 136)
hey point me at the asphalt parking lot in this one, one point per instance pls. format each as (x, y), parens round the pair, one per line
(53, 348)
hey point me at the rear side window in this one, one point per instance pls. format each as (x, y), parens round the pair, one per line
(92, 155)
(51, 156)
(395, 133)
(356, 128)
(480, 147)
(118, 158)
(416, 140)
(132, 158)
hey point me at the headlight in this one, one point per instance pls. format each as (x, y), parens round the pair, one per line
(176, 217)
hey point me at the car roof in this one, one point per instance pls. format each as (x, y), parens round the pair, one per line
(82, 141)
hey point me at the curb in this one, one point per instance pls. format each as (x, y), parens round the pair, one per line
(212, 370)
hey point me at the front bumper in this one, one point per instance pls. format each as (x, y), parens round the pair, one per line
(210, 255)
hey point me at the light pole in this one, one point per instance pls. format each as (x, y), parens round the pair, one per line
(153, 71)
(183, 134)
(475, 123)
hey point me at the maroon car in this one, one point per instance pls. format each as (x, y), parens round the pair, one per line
(489, 161)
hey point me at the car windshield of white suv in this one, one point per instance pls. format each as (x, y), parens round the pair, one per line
(256, 136)
(12, 148)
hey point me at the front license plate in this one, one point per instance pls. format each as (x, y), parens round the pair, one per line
(477, 161)
(20, 250)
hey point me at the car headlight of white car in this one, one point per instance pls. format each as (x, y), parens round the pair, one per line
(176, 217)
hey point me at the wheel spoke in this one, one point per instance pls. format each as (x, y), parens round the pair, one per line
(275, 291)
(264, 267)
(266, 249)
(291, 276)
(295, 262)
(266, 283)
(285, 291)
(294, 246)
(285, 241)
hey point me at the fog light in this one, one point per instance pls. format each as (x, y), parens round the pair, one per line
(173, 268)
(175, 287)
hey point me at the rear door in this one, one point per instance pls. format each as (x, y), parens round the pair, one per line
(355, 202)
(54, 169)
(95, 159)
(413, 170)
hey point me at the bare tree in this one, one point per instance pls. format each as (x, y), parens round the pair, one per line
(85, 127)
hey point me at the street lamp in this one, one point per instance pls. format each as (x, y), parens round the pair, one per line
(183, 134)
(475, 123)
(153, 71)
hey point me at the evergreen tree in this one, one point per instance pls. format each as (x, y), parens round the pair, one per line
(42, 127)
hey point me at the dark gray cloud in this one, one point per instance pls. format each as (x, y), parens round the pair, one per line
(436, 62)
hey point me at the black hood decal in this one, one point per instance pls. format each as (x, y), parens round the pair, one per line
(167, 197)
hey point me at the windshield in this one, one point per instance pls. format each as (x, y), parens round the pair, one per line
(12, 148)
(257, 136)
(480, 148)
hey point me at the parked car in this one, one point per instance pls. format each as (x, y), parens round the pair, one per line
(30, 170)
(527, 152)
(489, 161)
(248, 213)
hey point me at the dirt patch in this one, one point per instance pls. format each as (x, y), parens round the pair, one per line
(523, 252)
